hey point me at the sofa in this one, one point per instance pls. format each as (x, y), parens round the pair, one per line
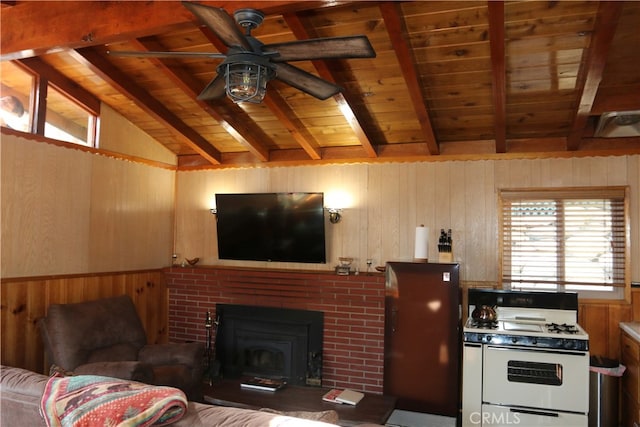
(21, 392)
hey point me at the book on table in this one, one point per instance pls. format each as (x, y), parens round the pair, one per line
(262, 383)
(347, 396)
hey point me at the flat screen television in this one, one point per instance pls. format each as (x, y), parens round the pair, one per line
(285, 227)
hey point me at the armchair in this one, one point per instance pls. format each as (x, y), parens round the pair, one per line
(106, 337)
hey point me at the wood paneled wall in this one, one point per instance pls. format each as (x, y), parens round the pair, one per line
(73, 211)
(119, 135)
(602, 321)
(23, 301)
(68, 214)
(388, 201)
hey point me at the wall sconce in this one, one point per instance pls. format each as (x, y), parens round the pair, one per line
(213, 208)
(335, 201)
(335, 215)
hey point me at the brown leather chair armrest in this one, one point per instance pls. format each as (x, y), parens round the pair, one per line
(180, 365)
(190, 354)
(127, 370)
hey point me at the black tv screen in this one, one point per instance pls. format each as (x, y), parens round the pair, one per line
(285, 227)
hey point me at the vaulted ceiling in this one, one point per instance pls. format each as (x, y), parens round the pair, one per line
(450, 80)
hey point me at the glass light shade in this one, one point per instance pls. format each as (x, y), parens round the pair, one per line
(246, 82)
(337, 199)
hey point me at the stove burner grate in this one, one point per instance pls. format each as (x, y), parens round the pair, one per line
(475, 323)
(563, 328)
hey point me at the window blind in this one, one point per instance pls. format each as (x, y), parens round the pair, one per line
(574, 239)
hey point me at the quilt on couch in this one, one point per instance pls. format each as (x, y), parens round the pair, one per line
(91, 401)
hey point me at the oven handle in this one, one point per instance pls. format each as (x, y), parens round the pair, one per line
(537, 350)
(531, 412)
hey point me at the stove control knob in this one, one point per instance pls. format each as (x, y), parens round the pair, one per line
(534, 341)
(514, 340)
(488, 338)
(569, 344)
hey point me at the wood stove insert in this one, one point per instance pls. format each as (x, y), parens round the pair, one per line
(270, 342)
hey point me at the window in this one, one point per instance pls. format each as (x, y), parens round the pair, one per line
(67, 121)
(565, 240)
(15, 97)
(36, 98)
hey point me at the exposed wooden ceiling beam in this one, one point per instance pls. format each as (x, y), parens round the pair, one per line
(623, 98)
(499, 73)
(605, 29)
(103, 68)
(228, 115)
(37, 27)
(345, 103)
(287, 116)
(397, 31)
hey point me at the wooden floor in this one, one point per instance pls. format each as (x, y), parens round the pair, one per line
(371, 409)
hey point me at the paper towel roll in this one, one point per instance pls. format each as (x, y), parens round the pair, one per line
(421, 250)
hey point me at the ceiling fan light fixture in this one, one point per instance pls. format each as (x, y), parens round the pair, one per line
(246, 77)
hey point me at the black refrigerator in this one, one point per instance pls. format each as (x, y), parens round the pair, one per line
(422, 337)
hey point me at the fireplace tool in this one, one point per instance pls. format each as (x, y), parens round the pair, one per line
(212, 366)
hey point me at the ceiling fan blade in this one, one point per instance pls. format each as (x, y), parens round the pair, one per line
(322, 48)
(220, 23)
(214, 90)
(152, 54)
(306, 82)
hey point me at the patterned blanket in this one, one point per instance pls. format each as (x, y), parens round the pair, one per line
(95, 401)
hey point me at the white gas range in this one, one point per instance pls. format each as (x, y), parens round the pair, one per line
(529, 367)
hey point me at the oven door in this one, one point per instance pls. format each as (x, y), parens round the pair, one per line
(498, 416)
(545, 379)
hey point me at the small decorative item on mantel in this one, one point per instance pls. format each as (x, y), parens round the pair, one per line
(445, 246)
(345, 266)
(192, 261)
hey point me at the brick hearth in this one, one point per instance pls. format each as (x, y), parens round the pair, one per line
(353, 309)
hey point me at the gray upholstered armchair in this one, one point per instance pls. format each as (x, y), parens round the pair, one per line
(106, 337)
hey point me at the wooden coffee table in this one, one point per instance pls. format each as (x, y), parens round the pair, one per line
(373, 408)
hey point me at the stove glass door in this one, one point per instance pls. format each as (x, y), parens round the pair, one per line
(545, 379)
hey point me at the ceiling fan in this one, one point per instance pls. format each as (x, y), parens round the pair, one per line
(249, 64)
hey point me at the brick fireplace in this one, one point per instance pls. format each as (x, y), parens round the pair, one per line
(353, 308)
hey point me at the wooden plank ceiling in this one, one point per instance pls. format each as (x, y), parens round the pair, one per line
(450, 79)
